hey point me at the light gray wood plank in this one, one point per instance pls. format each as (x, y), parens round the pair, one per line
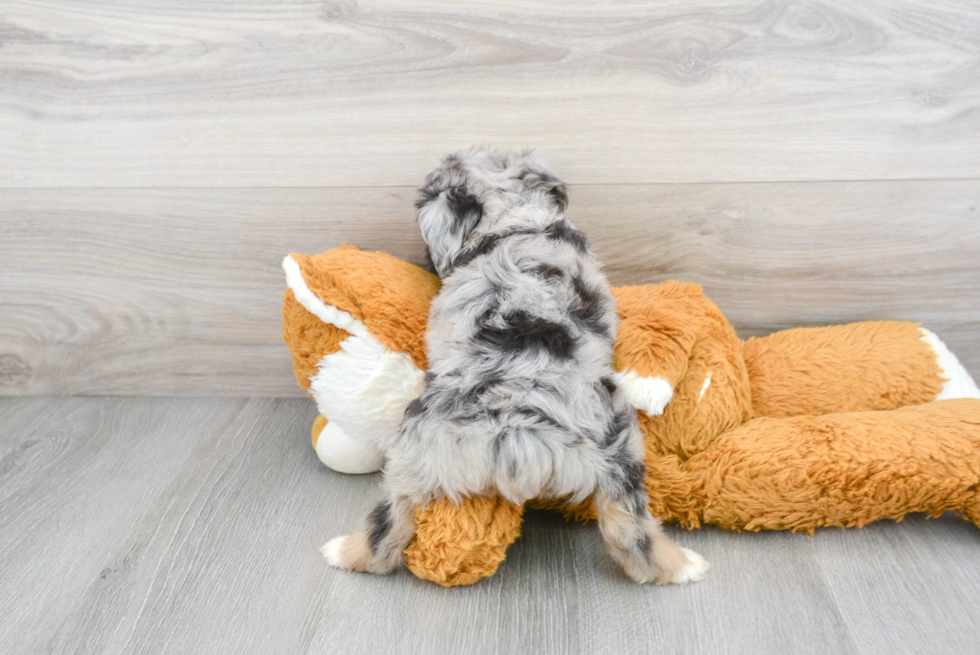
(918, 593)
(776, 256)
(216, 562)
(264, 94)
(178, 291)
(242, 530)
(154, 292)
(70, 490)
(19, 416)
(744, 605)
(180, 525)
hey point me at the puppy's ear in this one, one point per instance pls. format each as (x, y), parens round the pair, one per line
(446, 218)
(536, 177)
(558, 192)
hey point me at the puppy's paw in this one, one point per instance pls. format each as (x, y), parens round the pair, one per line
(332, 550)
(694, 571)
(348, 552)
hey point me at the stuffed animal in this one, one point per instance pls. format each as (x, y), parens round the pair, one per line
(833, 426)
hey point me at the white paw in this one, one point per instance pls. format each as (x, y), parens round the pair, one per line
(332, 550)
(695, 570)
(650, 395)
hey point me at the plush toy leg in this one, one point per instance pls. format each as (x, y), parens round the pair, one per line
(461, 544)
(877, 365)
(958, 382)
(843, 469)
(340, 452)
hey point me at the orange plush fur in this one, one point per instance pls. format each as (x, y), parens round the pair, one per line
(801, 429)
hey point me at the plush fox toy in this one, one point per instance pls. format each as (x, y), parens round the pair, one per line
(834, 426)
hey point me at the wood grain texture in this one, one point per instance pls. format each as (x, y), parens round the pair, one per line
(919, 568)
(775, 256)
(71, 485)
(245, 94)
(155, 525)
(143, 292)
(178, 292)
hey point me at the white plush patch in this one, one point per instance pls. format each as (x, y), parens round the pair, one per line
(362, 389)
(695, 570)
(650, 394)
(365, 388)
(704, 387)
(341, 453)
(313, 304)
(958, 383)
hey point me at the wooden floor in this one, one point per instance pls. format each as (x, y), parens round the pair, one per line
(176, 525)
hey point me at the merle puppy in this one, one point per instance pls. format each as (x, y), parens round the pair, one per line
(520, 399)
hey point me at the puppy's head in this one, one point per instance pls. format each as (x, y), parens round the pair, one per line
(472, 189)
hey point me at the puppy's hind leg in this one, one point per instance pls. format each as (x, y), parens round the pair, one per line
(633, 536)
(377, 549)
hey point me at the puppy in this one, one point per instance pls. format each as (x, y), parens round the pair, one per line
(520, 399)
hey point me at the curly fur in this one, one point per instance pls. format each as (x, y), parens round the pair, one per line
(520, 399)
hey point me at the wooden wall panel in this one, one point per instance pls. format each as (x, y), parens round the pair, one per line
(245, 94)
(178, 291)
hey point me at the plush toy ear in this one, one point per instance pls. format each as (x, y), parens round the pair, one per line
(355, 324)
(347, 287)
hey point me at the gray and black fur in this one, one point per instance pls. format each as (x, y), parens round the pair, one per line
(519, 399)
